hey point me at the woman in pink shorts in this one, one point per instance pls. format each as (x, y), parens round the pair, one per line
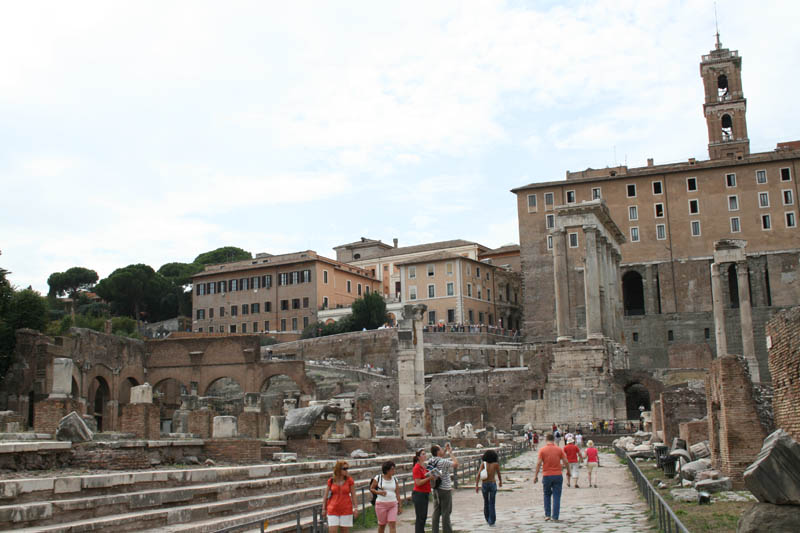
(388, 503)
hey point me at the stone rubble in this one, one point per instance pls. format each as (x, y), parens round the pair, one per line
(72, 428)
(774, 477)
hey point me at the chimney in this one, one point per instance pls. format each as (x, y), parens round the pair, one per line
(649, 161)
(692, 161)
(395, 242)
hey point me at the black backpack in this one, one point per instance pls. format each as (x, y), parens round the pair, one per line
(380, 486)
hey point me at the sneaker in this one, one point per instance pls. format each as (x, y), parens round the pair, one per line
(577, 486)
(546, 518)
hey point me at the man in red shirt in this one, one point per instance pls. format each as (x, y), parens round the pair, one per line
(552, 458)
(573, 454)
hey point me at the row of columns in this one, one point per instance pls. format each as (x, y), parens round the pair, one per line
(745, 316)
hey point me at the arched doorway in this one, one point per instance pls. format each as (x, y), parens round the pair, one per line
(275, 390)
(633, 293)
(226, 395)
(636, 396)
(101, 394)
(167, 393)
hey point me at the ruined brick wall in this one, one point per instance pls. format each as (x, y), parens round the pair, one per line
(784, 366)
(96, 458)
(201, 423)
(680, 405)
(734, 427)
(233, 450)
(48, 413)
(252, 425)
(694, 431)
(142, 420)
(356, 349)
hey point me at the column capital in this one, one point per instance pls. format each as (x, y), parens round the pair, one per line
(589, 228)
(555, 231)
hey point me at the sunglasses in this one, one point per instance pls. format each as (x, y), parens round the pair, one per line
(345, 468)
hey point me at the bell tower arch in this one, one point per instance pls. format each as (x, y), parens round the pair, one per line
(725, 105)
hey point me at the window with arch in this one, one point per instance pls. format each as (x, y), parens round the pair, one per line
(727, 127)
(722, 87)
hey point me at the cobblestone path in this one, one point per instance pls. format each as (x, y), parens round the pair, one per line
(614, 506)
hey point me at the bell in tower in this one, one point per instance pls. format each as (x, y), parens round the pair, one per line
(725, 106)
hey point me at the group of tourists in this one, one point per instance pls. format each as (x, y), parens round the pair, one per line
(433, 476)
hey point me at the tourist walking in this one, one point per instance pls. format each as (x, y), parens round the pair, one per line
(573, 454)
(488, 478)
(592, 462)
(579, 439)
(422, 490)
(443, 493)
(535, 440)
(387, 503)
(339, 500)
(551, 459)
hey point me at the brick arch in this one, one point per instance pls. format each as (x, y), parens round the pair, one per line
(230, 376)
(99, 370)
(295, 370)
(624, 379)
(241, 374)
(226, 351)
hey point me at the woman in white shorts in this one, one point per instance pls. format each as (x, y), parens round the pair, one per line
(339, 501)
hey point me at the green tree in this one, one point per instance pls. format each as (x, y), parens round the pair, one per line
(180, 273)
(369, 312)
(72, 281)
(226, 254)
(139, 291)
(24, 309)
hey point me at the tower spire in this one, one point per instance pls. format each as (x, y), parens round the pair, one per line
(718, 45)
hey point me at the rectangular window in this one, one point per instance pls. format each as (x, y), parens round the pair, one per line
(633, 212)
(790, 220)
(763, 199)
(786, 174)
(548, 200)
(657, 188)
(222, 286)
(412, 292)
(412, 272)
(670, 335)
(573, 240)
(233, 328)
(295, 303)
(245, 309)
(549, 242)
(201, 289)
(480, 317)
(479, 293)
(305, 302)
(212, 288)
(730, 180)
(283, 324)
(488, 295)
(788, 198)
(570, 197)
(431, 318)
(471, 315)
(761, 176)
(634, 234)
(469, 289)
(366, 290)
(451, 316)
(735, 225)
(255, 282)
(234, 310)
(201, 314)
(267, 307)
(661, 232)
(469, 269)
(596, 193)
(255, 308)
(234, 285)
(325, 277)
(305, 276)
(450, 289)
(295, 278)
(431, 291)
(733, 203)
(283, 279)
(695, 228)
(449, 268)
(305, 322)
(349, 286)
(284, 305)
(766, 222)
(550, 221)
(694, 207)
(324, 302)
(294, 324)
(244, 284)
(531, 203)
(266, 325)
(478, 272)
(659, 210)
(211, 329)
(244, 328)
(358, 289)
(210, 312)
(631, 188)
(431, 271)
(221, 312)
(691, 184)
(255, 327)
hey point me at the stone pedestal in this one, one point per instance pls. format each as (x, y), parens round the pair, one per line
(62, 378)
(141, 419)
(180, 421)
(437, 420)
(276, 424)
(142, 394)
(224, 427)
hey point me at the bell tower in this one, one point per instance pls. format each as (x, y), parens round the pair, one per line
(725, 105)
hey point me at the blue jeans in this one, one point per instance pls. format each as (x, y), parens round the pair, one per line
(489, 494)
(552, 487)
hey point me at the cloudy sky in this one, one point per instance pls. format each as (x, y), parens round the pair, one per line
(149, 132)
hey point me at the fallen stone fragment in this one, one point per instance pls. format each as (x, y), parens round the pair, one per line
(690, 470)
(714, 485)
(700, 450)
(768, 517)
(74, 429)
(708, 474)
(359, 454)
(774, 477)
(684, 495)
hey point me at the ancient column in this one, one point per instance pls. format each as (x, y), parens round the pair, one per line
(746, 316)
(591, 284)
(560, 277)
(411, 371)
(719, 311)
(618, 311)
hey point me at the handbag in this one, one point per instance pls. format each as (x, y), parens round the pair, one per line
(379, 487)
(485, 472)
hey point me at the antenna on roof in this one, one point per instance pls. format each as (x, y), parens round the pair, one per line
(716, 24)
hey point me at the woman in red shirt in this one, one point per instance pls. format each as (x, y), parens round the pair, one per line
(422, 490)
(592, 461)
(339, 501)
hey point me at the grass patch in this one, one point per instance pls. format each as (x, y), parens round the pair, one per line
(719, 516)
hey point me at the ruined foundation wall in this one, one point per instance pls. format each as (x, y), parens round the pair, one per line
(680, 405)
(784, 366)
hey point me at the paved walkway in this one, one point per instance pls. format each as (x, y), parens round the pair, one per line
(614, 506)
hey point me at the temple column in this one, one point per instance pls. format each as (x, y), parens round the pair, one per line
(746, 315)
(618, 307)
(591, 283)
(717, 300)
(561, 287)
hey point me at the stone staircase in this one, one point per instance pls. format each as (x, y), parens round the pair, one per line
(201, 499)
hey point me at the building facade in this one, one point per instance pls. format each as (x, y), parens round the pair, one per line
(276, 294)
(671, 216)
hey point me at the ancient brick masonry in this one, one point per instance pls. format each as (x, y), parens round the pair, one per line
(49, 412)
(735, 430)
(234, 450)
(694, 431)
(784, 366)
(142, 420)
(680, 405)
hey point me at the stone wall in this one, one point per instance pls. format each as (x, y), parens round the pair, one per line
(680, 405)
(356, 349)
(694, 431)
(734, 427)
(142, 420)
(784, 366)
(233, 450)
(48, 413)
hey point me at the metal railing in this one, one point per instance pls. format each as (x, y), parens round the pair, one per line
(659, 509)
(467, 470)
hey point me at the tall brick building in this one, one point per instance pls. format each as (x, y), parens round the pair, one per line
(671, 216)
(274, 293)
